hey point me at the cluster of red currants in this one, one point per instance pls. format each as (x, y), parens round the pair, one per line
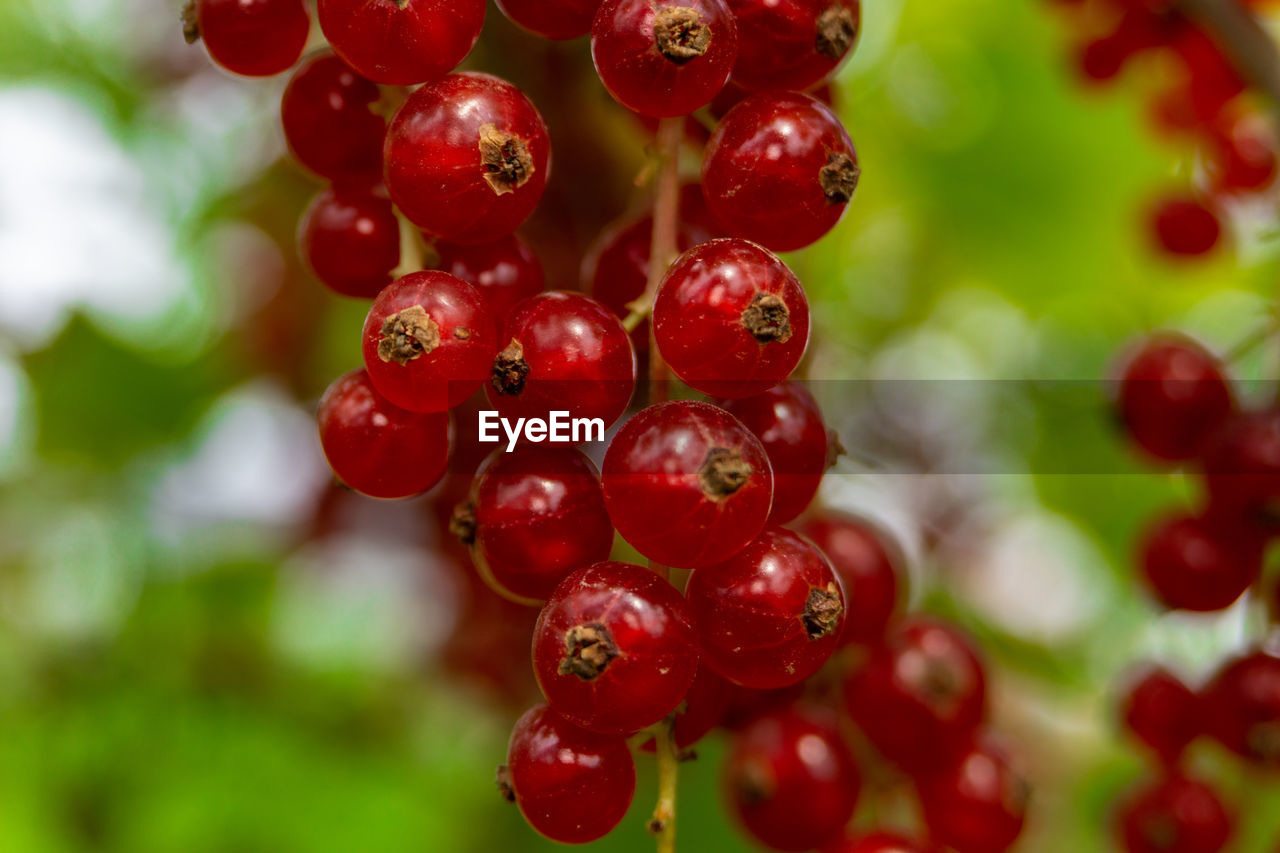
(1203, 106)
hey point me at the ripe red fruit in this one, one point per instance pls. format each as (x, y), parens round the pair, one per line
(328, 121)
(1199, 563)
(770, 615)
(402, 42)
(428, 341)
(664, 57)
(1172, 395)
(1242, 708)
(793, 44)
(1242, 465)
(562, 352)
(780, 170)
(921, 696)
(536, 514)
(978, 803)
(704, 707)
(792, 780)
(878, 842)
(350, 239)
(1185, 227)
(614, 648)
(870, 568)
(376, 448)
(1174, 815)
(730, 318)
(788, 423)
(1163, 712)
(467, 157)
(1241, 154)
(505, 271)
(255, 38)
(553, 19)
(573, 786)
(687, 484)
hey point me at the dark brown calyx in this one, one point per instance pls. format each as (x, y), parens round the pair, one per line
(462, 523)
(834, 448)
(588, 649)
(510, 370)
(503, 778)
(408, 334)
(755, 783)
(837, 28)
(822, 612)
(680, 34)
(506, 160)
(190, 23)
(767, 318)
(839, 178)
(723, 473)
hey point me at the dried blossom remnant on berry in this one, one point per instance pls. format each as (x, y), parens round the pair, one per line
(767, 318)
(462, 523)
(190, 23)
(507, 163)
(723, 473)
(839, 178)
(505, 787)
(680, 34)
(510, 370)
(588, 649)
(462, 333)
(834, 449)
(408, 334)
(756, 783)
(837, 29)
(822, 612)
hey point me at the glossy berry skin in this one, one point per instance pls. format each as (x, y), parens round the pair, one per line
(253, 38)
(1172, 394)
(505, 271)
(779, 170)
(793, 44)
(614, 648)
(350, 239)
(376, 448)
(538, 514)
(1199, 563)
(770, 615)
(402, 42)
(730, 318)
(1163, 713)
(686, 484)
(921, 696)
(870, 569)
(1241, 463)
(573, 786)
(467, 158)
(428, 341)
(977, 804)
(879, 842)
(791, 780)
(703, 708)
(788, 423)
(1174, 815)
(1242, 708)
(1183, 227)
(1241, 155)
(328, 120)
(664, 57)
(562, 352)
(553, 19)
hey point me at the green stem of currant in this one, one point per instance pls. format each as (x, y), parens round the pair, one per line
(412, 246)
(663, 824)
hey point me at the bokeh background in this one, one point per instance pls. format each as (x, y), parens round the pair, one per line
(205, 647)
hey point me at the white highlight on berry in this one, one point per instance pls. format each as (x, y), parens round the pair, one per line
(558, 428)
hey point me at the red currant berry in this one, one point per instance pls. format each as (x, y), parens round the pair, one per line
(1242, 465)
(664, 57)
(770, 615)
(536, 515)
(614, 649)
(1172, 394)
(505, 271)
(978, 804)
(350, 239)
(878, 842)
(704, 707)
(870, 569)
(573, 786)
(402, 42)
(730, 318)
(428, 341)
(553, 19)
(788, 423)
(793, 44)
(1242, 155)
(1174, 815)
(1184, 227)
(746, 704)
(1199, 563)
(792, 780)
(1242, 708)
(687, 484)
(378, 449)
(328, 120)
(921, 696)
(1163, 713)
(780, 170)
(255, 38)
(467, 158)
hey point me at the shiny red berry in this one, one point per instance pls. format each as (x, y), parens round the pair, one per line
(793, 44)
(788, 423)
(350, 239)
(1199, 563)
(1241, 154)
(505, 271)
(255, 38)
(328, 120)
(573, 786)
(791, 780)
(1241, 463)
(1174, 815)
(664, 57)
(428, 341)
(1242, 708)
(614, 649)
(780, 170)
(1184, 227)
(879, 842)
(731, 319)
(978, 804)
(870, 568)
(402, 42)
(686, 484)
(467, 158)
(1162, 712)
(703, 709)
(377, 448)
(553, 19)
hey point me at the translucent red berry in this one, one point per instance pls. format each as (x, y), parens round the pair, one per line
(377, 448)
(553, 19)
(505, 271)
(879, 842)
(614, 648)
(793, 44)
(402, 42)
(350, 239)
(686, 484)
(255, 38)
(1241, 462)
(467, 157)
(1185, 227)
(780, 170)
(1162, 712)
(428, 341)
(788, 423)
(1174, 815)
(1242, 708)
(328, 120)
(1241, 154)
(1199, 563)
(870, 568)
(978, 804)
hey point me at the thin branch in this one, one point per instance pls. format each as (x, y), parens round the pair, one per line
(1246, 42)
(663, 825)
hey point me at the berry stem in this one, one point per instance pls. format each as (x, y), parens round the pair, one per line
(663, 825)
(412, 256)
(662, 251)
